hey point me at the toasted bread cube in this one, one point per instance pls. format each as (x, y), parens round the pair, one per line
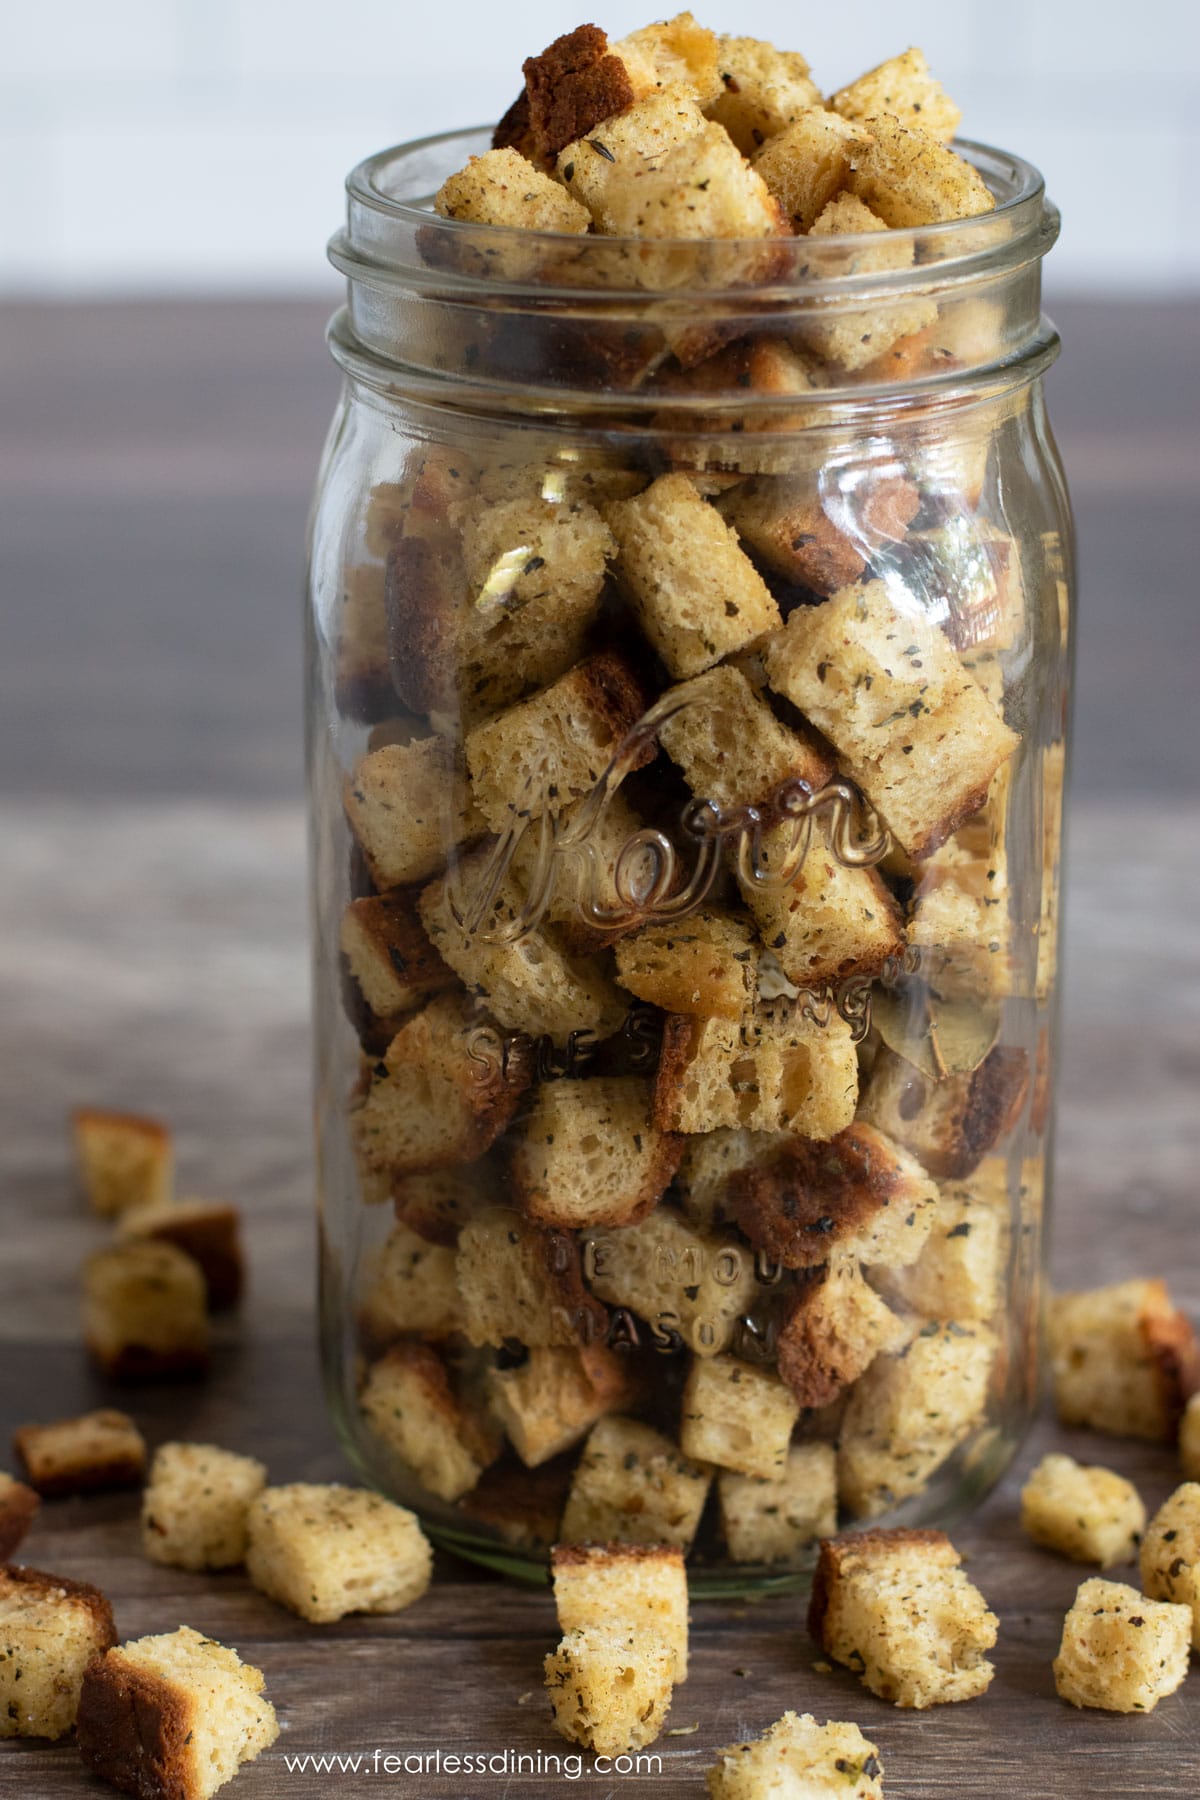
(1189, 1439)
(697, 595)
(195, 1506)
(18, 1509)
(210, 1231)
(174, 1715)
(595, 875)
(412, 1290)
(910, 1411)
(522, 1506)
(410, 1406)
(50, 1629)
(389, 956)
(904, 89)
(588, 1154)
(528, 984)
(960, 918)
(642, 1587)
(859, 1194)
(775, 1521)
(731, 747)
(437, 480)
(574, 83)
(550, 751)
(409, 806)
(144, 1311)
(1087, 1513)
(827, 921)
(1170, 1555)
(645, 130)
(674, 54)
(809, 162)
(916, 733)
(1121, 1652)
(326, 1550)
(786, 522)
(834, 1326)
(768, 1073)
(555, 1397)
(520, 1281)
(502, 188)
(123, 1160)
(437, 1205)
(897, 1608)
(685, 1283)
(948, 1125)
(853, 339)
(763, 90)
(738, 1416)
(709, 1160)
(610, 1687)
(443, 1093)
(960, 1271)
(796, 1756)
(632, 1486)
(363, 689)
(910, 179)
(705, 966)
(1124, 1359)
(87, 1455)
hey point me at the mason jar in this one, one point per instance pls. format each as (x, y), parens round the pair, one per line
(687, 698)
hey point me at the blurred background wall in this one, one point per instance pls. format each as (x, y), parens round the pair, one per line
(151, 146)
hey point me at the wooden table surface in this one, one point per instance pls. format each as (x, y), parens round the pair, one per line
(153, 955)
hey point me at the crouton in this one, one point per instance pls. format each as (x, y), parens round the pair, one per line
(571, 86)
(948, 1125)
(697, 595)
(610, 1688)
(731, 747)
(390, 958)
(858, 1194)
(521, 1506)
(1089, 1514)
(502, 188)
(1189, 1439)
(706, 965)
(827, 921)
(18, 1509)
(675, 55)
(362, 673)
(326, 1550)
(410, 1407)
(409, 1290)
(763, 90)
(909, 179)
(555, 1397)
(897, 1608)
(123, 1160)
(547, 752)
(708, 1162)
(853, 338)
(1121, 1652)
(210, 1231)
(436, 1205)
(632, 1486)
(688, 1285)
(960, 1271)
(904, 89)
(443, 1093)
(737, 1416)
(594, 164)
(771, 1072)
(50, 1629)
(87, 1455)
(144, 1311)
(195, 1505)
(172, 1717)
(1170, 1554)
(642, 1587)
(814, 539)
(1124, 1359)
(959, 916)
(809, 162)
(595, 876)
(520, 1281)
(588, 1154)
(798, 1756)
(776, 1521)
(915, 731)
(477, 926)
(833, 1328)
(409, 806)
(910, 1411)
(1053, 775)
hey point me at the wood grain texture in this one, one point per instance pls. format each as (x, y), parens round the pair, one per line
(155, 955)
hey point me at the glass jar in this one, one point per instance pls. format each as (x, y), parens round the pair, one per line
(687, 701)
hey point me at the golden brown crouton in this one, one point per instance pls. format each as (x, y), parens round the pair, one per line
(409, 805)
(949, 1125)
(834, 1326)
(829, 921)
(124, 1160)
(390, 958)
(632, 1486)
(910, 179)
(195, 1507)
(706, 965)
(588, 1154)
(610, 1687)
(738, 1416)
(502, 188)
(50, 1629)
(520, 1281)
(410, 1407)
(731, 747)
(555, 1396)
(409, 1290)
(763, 90)
(1170, 1555)
(593, 165)
(960, 1270)
(144, 1311)
(1121, 1652)
(851, 338)
(788, 523)
(1089, 1514)
(674, 54)
(904, 89)
(324, 1550)
(18, 1509)
(87, 1455)
(769, 1072)
(796, 1756)
(1124, 1359)
(809, 162)
(642, 1586)
(363, 689)
(776, 1521)
(689, 1285)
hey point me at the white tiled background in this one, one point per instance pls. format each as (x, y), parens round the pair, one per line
(168, 145)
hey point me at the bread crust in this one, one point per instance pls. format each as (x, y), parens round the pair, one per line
(569, 1556)
(574, 84)
(1171, 1342)
(18, 1509)
(133, 1728)
(43, 1585)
